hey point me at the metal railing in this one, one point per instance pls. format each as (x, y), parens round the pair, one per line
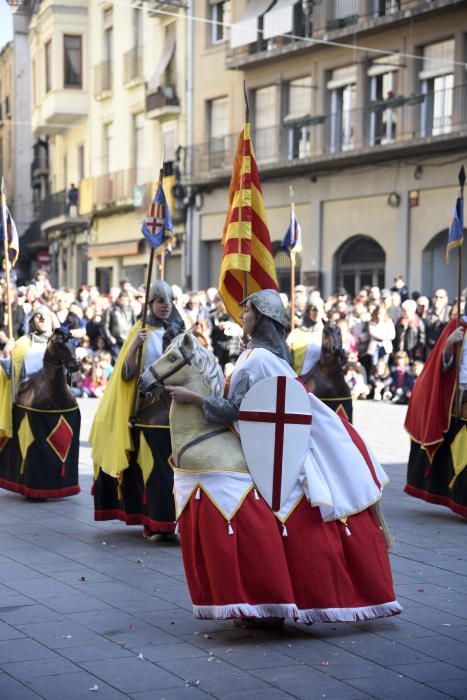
(327, 16)
(118, 187)
(53, 206)
(133, 64)
(398, 120)
(102, 78)
(164, 97)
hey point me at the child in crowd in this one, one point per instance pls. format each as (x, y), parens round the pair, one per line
(402, 378)
(355, 376)
(105, 362)
(380, 381)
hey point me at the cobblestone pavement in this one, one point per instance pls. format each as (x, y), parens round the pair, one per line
(92, 610)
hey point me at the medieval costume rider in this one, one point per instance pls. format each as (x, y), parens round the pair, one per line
(39, 417)
(323, 555)
(133, 481)
(437, 424)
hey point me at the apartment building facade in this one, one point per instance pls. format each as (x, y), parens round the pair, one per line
(15, 130)
(360, 107)
(107, 96)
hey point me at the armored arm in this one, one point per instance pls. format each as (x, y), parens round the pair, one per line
(219, 410)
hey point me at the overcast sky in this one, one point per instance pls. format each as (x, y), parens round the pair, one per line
(6, 25)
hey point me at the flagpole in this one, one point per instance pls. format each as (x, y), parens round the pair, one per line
(292, 265)
(461, 178)
(162, 267)
(139, 356)
(247, 121)
(7, 259)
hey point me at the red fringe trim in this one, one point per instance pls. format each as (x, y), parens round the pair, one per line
(39, 493)
(135, 519)
(438, 500)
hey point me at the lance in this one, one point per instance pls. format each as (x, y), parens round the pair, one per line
(292, 261)
(7, 259)
(139, 355)
(461, 179)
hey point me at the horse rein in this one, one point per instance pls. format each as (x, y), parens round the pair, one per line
(159, 379)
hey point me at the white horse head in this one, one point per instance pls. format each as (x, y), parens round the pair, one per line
(187, 363)
(184, 363)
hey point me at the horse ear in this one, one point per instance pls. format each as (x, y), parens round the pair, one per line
(188, 341)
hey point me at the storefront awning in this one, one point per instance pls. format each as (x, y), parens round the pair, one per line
(279, 19)
(245, 29)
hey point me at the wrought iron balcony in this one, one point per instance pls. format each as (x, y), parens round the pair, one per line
(331, 19)
(164, 99)
(398, 124)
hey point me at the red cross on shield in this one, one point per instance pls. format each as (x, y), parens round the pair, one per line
(274, 423)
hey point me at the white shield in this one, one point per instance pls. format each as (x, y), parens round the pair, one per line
(274, 421)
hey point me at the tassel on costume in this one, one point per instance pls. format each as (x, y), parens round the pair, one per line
(230, 528)
(177, 529)
(145, 496)
(256, 494)
(284, 531)
(378, 513)
(198, 493)
(62, 470)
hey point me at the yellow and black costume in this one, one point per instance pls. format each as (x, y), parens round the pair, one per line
(133, 480)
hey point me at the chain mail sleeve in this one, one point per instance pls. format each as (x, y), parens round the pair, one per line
(219, 410)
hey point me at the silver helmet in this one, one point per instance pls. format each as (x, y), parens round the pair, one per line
(268, 303)
(161, 289)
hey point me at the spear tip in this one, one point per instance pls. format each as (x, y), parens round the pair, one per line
(3, 185)
(461, 176)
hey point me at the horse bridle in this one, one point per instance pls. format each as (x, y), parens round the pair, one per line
(160, 378)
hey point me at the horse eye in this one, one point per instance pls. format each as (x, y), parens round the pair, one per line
(172, 358)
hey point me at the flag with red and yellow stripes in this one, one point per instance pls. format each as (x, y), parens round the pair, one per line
(247, 244)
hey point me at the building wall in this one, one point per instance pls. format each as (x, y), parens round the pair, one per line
(344, 198)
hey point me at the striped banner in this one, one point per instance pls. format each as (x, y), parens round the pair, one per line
(246, 240)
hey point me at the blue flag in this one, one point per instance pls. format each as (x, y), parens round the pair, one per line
(157, 225)
(456, 227)
(292, 240)
(12, 236)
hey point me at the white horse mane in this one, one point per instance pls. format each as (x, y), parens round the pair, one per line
(206, 362)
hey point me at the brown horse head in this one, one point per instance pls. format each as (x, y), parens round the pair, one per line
(61, 350)
(332, 351)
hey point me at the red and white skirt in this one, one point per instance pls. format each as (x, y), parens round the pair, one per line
(306, 569)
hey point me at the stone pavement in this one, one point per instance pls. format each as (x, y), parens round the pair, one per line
(91, 610)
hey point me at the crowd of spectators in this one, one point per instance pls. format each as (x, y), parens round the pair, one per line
(387, 334)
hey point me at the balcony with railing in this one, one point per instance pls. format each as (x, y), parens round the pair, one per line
(133, 66)
(329, 19)
(103, 80)
(122, 188)
(61, 210)
(162, 102)
(415, 124)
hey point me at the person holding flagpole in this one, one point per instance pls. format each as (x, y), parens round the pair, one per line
(437, 413)
(130, 435)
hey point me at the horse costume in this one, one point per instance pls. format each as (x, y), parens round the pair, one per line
(325, 378)
(133, 481)
(39, 431)
(436, 470)
(323, 556)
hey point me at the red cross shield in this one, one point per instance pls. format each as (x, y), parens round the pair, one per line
(274, 423)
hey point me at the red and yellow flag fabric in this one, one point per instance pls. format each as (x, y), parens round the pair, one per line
(247, 244)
